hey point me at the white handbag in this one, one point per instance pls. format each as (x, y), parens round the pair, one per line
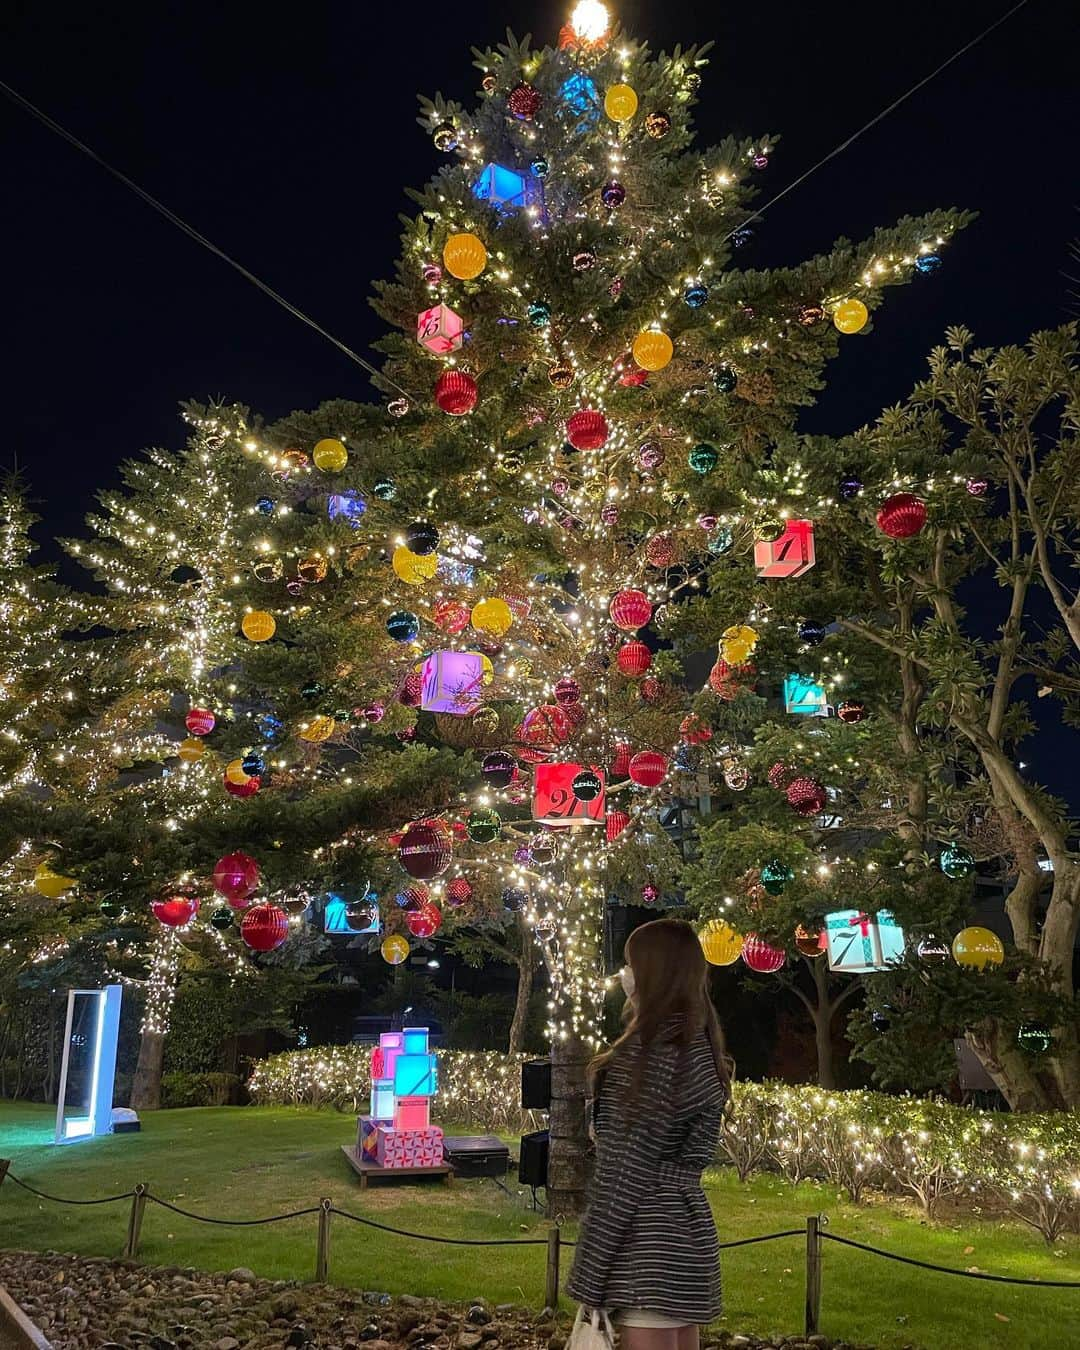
(592, 1331)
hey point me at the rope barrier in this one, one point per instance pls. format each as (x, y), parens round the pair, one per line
(765, 1237)
(64, 1200)
(233, 1223)
(949, 1270)
(452, 1242)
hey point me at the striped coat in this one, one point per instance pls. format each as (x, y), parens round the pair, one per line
(648, 1239)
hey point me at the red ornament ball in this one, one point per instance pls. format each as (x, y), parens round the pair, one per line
(524, 101)
(575, 713)
(648, 768)
(425, 851)
(586, 429)
(634, 659)
(649, 893)
(411, 897)
(727, 681)
(902, 515)
(200, 721)
(806, 796)
(176, 911)
(614, 824)
(620, 764)
(236, 877)
(459, 892)
(780, 775)
(411, 689)
(660, 551)
(567, 691)
(851, 710)
(761, 956)
(246, 789)
(456, 392)
(425, 921)
(652, 689)
(694, 731)
(630, 610)
(264, 927)
(545, 727)
(451, 616)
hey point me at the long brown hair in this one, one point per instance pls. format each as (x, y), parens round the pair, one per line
(671, 996)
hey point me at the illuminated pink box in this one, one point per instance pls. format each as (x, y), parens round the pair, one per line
(412, 1113)
(554, 800)
(789, 556)
(450, 682)
(439, 329)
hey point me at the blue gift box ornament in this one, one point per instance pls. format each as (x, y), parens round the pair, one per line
(509, 190)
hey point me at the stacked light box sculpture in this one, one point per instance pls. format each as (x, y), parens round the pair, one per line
(404, 1078)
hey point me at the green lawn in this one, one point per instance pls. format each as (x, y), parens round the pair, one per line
(254, 1161)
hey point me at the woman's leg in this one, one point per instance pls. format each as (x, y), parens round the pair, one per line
(650, 1338)
(688, 1339)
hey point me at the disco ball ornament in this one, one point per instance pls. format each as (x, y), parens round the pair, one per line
(253, 764)
(806, 796)
(523, 101)
(775, 876)
(200, 721)
(721, 540)
(956, 862)
(424, 922)
(696, 295)
(539, 314)
(614, 824)
(933, 950)
(421, 537)
(851, 710)
(810, 944)
(411, 897)
(498, 769)
(546, 928)
(445, 137)
(649, 893)
(761, 956)
(459, 892)
(540, 168)
(584, 260)
(811, 632)
(567, 691)
(543, 850)
(456, 392)
(394, 949)
(175, 911)
(425, 851)
(609, 515)
(264, 927)
(651, 455)
(648, 768)
(587, 785)
(927, 264)
(660, 551)
(431, 273)
(902, 515)
(850, 488)
(725, 379)
(586, 429)
(613, 194)
(780, 775)
(514, 899)
(403, 626)
(411, 690)
(703, 458)
(634, 659)
(385, 489)
(484, 825)
(977, 487)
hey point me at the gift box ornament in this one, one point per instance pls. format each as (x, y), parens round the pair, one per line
(555, 801)
(439, 329)
(409, 1148)
(450, 682)
(509, 190)
(860, 943)
(805, 697)
(789, 556)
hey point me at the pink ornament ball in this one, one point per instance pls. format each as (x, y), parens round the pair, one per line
(236, 877)
(806, 796)
(761, 956)
(634, 659)
(630, 610)
(200, 721)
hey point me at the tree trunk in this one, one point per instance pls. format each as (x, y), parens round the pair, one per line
(823, 1016)
(146, 1084)
(568, 1161)
(526, 967)
(1009, 1069)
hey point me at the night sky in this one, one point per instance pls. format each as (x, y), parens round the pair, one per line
(288, 136)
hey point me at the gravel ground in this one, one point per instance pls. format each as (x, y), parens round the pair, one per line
(84, 1302)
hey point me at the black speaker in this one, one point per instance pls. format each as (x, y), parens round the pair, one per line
(536, 1085)
(533, 1161)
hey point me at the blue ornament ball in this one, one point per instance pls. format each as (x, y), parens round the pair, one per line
(514, 899)
(696, 295)
(850, 488)
(540, 168)
(403, 626)
(927, 263)
(253, 765)
(811, 632)
(265, 505)
(721, 540)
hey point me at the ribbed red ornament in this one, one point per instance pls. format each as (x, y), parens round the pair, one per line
(459, 891)
(246, 789)
(425, 850)
(902, 515)
(586, 429)
(620, 762)
(780, 775)
(425, 921)
(176, 911)
(660, 550)
(634, 659)
(648, 768)
(761, 956)
(524, 101)
(410, 691)
(200, 721)
(614, 824)
(806, 796)
(567, 691)
(727, 681)
(630, 610)
(694, 731)
(264, 927)
(546, 726)
(456, 392)
(236, 876)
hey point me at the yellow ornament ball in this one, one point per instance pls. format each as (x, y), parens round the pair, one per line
(330, 455)
(51, 884)
(465, 256)
(737, 643)
(258, 626)
(395, 949)
(488, 670)
(978, 948)
(492, 616)
(234, 772)
(652, 350)
(319, 729)
(191, 750)
(720, 943)
(414, 568)
(620, 103)
(850, 316)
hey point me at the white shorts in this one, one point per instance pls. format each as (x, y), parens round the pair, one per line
(641, 1317)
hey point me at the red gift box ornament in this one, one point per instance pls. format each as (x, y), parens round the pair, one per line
(556, 803)
(761, 956)
(634, 659)
(648, 768)
(806, 796)
(264, 927)
(902, 515)
(456, 392)
(789, 556)
(586, 429)
(630, 610)
(545, 727)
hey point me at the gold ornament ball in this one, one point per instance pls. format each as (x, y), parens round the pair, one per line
(737, 643)
(258, 626)
(191, 750)
(561, 376)
(492, 616)
(268, 569)
(414, 568)
(620, 103)
(720, 943)
(394, 949)
(234, 772)
(312, 569)
(658, 124)
(978, 948)
(465, 256)
(51, 884)
(850, 316)
(486, 721)
(330, 455)
(652, 350)
(319, 729)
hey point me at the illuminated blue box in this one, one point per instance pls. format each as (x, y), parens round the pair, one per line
(508, 189)
(382, 1099)
(803, 696)
(415, 1076)
(416, 1040)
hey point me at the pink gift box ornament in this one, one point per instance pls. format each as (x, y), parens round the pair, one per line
(554, 802)
(450, 682)
(439, 329)
(789, 556)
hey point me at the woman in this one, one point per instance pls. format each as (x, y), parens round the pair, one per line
(648, 1247)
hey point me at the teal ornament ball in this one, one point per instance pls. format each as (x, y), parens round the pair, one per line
(775, 875)
(696, 295)
(484, 826)
(725, 379)
(721, 540)
(956, 862)
(385, 489)
(540, 168)
(539, 314)
(1034, 1038)
(703, 458)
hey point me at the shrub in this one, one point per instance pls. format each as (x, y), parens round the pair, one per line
(199, 1089)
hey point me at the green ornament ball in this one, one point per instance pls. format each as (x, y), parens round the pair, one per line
(221, 919)
(725, 379)
(112, 909)
(539, 314)
(775, 875)
(385, 489)
(956, 862)
(483, 826)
